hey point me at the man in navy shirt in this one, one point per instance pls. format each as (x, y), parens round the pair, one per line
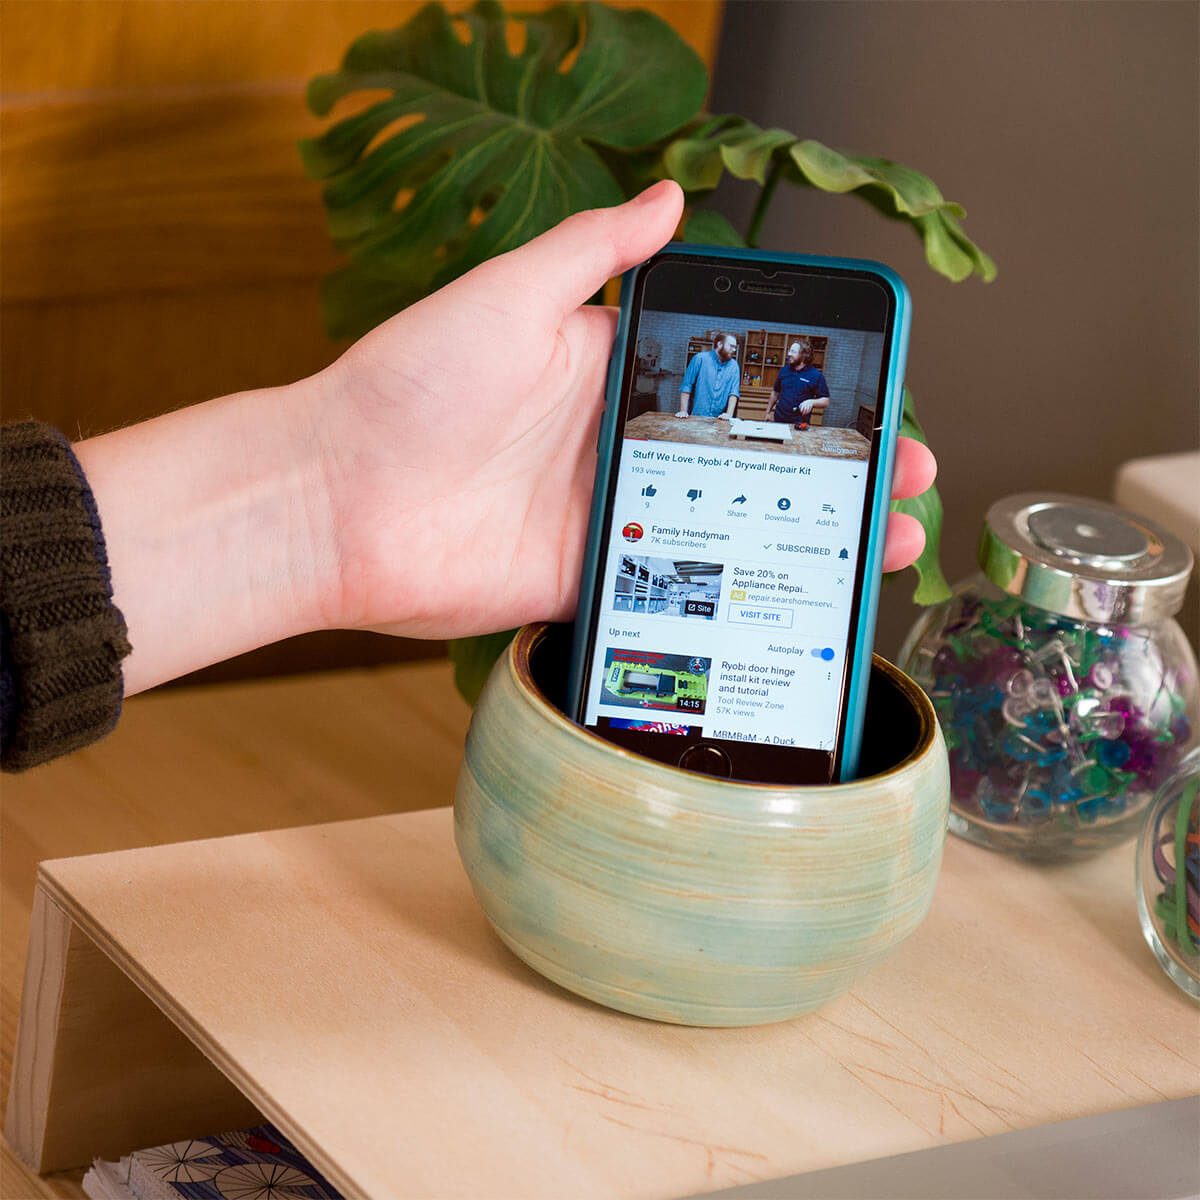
(712, 381)
(800, 388)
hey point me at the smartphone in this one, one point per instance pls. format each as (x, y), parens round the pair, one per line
(727, 607)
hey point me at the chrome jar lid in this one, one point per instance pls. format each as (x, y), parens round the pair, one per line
(1084, 558)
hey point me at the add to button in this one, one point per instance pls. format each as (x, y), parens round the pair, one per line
(750, 614)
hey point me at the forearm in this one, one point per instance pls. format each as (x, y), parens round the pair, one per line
(684, 399)
(217, 524)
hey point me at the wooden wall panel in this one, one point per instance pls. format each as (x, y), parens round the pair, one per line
(114, 195)
(100, 363)
(161, 244)
(66, 45)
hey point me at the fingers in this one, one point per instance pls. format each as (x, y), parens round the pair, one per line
(905, 541)
(575, 259)
(916, 469)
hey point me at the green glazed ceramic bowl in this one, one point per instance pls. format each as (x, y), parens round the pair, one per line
(684, 898)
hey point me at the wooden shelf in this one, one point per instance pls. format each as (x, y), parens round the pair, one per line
(764, 353)
(340, 980)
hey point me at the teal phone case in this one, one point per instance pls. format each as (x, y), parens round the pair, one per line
(888, 432)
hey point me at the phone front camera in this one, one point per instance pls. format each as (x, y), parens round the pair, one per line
(722, 284)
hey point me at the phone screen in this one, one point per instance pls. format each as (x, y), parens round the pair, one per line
(746, 451)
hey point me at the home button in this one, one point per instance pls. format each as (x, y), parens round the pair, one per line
(708, 760)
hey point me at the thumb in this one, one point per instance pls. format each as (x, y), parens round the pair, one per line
(573, 261)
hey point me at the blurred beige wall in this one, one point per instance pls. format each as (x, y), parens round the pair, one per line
(1070, 133)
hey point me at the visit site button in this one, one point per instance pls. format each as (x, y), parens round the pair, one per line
(751, 614)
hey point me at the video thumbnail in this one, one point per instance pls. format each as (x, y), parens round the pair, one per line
(645, 679)
(667, 586)
(649, 726)
(806, 391)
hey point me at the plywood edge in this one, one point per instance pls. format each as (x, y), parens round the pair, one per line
(230, 1071)
(41, 999)
(99, 1069)
(53, 874)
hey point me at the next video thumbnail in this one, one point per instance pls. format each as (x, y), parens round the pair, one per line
(672, 727)
(674, 587)
(645, 679)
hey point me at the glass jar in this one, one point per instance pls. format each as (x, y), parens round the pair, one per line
(1168, 869)
(1066, 691)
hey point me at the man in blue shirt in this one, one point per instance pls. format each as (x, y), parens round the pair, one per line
(712, 380)
(800, 388)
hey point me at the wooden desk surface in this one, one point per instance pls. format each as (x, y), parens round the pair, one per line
(366, 1004)
(822, 442)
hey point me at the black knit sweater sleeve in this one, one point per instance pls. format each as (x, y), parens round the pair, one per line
(61, 637)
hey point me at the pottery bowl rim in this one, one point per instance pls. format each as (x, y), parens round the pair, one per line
(517, 661)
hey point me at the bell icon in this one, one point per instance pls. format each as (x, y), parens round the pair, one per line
(844, 553)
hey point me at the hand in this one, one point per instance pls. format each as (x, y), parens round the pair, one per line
(806, 408)
(434, 481)
(461, 434)
(453, 516)
(681, 415)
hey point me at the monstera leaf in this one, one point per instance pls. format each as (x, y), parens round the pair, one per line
(473, 659)
(699, 158)
(710, 228)
(486, 147)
